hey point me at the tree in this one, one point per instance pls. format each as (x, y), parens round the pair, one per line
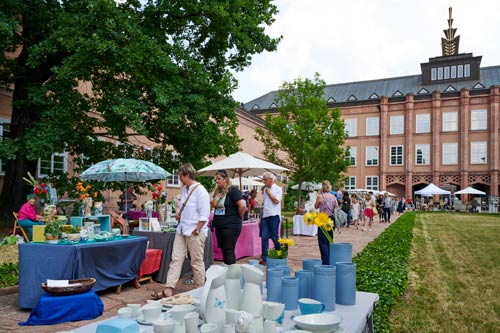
(306, 136)
(80, 70)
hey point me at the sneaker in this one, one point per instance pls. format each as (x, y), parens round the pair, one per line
(262, 262)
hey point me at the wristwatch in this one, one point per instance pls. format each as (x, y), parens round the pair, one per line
(196, 231)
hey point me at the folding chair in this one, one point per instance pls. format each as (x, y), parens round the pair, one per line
(18, 226)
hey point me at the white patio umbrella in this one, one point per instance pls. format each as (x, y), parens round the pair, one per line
(470, 190)
(307, 186)
(241, 164)
(246, 182)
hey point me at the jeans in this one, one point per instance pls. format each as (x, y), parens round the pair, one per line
(324, 246)
(387, 214)
(269, 229)
(226, 239)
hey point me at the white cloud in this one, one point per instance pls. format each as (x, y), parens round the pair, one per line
(357, 40)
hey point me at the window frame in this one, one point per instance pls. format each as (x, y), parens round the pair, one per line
(449, 121)
(372, 126)
(52, 168)
(423, 123)
(479, 120)
(369, 154)
(371, 187)
(397, 125)
(479, 152)
(350, 183)
(352, 158)
(397, 155)
(446, 153)
(351, 125)
(428, 148)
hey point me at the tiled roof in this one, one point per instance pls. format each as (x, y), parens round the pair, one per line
(391, 87)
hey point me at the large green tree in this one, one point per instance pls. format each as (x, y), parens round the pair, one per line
(83, 69)
(305, 135)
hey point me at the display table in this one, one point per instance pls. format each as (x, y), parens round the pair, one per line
(52, 310)
(165, 242)
(151, 263)
(103, 220)
(300, 228)
(248, 244)
(137, 214)
(355, 319)
(111, 263)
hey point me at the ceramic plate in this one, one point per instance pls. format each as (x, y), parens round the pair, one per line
(324, 322)
(141, 321)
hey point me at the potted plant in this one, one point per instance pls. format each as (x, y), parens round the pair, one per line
(53, 230)
(73, 234)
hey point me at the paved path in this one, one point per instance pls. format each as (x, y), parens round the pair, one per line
(305, 247)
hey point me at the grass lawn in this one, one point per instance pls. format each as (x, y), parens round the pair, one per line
(454, 275)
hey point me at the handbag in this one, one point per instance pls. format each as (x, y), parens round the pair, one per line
(375, 211)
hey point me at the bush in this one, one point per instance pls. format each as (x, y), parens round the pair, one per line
(382, 267)
(9, 274)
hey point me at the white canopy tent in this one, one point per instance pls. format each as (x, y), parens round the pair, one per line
(309, 186)
(430, 190)
(470, 190)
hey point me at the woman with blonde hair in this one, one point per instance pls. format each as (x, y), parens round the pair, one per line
(229, 208)
(325, 202)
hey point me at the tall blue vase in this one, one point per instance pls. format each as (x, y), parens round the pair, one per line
(273, 263)
(305, 283)
(324, 285)
(340, 252)
(286, 270)
(346, 283)
(290, 292)
(273, 284)
(308, 264)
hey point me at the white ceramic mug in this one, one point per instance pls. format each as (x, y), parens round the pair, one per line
(135, 310)
(124, 313)
(151, 312)
(191, 322)
(208, 328)
(164, 326)
(179, 311)
(272, 310)
(229, 328)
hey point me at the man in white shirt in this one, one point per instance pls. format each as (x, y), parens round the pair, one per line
(271, 214)
(192, 230)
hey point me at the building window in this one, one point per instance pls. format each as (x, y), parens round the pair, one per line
(447, 72)
(423, 123)
(450, 153)
(453, 72)
(467, 70)
(352, 156)
(54, 165)
(478, 120)
(460, 71)
(422, 154)
(173, 179)
(4, 130)
(396, 155)
(371, 183)
(351, 127)
(450, 121)
(434, 74)
(440, 73)
(350, 183)
(371, 155)
(478, 152)
(397, 124)
(372, 125)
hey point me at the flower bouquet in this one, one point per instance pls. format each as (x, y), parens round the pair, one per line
(323, 221)
(282, 253)
(40, 190)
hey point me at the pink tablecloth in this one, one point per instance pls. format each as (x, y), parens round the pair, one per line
(136, 214)
(248, 243)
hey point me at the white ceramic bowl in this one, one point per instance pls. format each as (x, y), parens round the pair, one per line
(318, 322)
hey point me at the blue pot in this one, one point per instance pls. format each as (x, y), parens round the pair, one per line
(324, 285)
(273, 284)
(305, 283)
(340, 252)
(345, 283)
(290, 292)
(308, 264)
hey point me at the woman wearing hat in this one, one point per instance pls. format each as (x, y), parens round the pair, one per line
(27, 215)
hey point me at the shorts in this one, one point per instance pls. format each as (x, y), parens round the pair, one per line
(368, 212)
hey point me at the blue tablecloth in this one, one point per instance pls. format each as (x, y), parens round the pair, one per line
(52, 310)
(112, 263)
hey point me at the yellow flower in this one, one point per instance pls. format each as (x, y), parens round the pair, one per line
(279, 253)
(309, 219)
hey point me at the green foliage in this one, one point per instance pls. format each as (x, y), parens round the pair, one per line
(307, 131)
(9, 274)
(9, 240)
(53, 228)
(74, 229)
(106, 69)
(382, 267)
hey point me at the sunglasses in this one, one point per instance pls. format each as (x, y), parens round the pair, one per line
(222, 173)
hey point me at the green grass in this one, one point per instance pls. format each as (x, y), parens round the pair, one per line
(453, 275)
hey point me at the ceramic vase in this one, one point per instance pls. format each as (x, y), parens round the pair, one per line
(308, 264)
(273, 284)
(345, 285)
(290, 292)
(286, 270)
(213, 296)
(232, 286)
(324, 285)
(305, 283)
(251, 300)
(272, 263)
(340, 252)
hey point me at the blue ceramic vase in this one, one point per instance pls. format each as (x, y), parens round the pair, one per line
(324, 285)
(273, 284)
(290, 292)
(345, 283)
(340, 252)
(305, 283)
(308, 264)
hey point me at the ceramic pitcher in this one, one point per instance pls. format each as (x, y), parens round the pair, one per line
(232, 287)
(251, 300)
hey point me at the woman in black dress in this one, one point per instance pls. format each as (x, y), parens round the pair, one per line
(229, 208)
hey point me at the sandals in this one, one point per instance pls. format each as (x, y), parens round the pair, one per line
(189, 281)
(157, 296)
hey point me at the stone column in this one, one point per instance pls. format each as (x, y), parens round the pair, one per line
(409, 146)
(383, 148)
(436, 130)
(464, 145)
(494, 123)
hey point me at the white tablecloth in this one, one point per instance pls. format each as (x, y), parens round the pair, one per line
(355, 318)
(300, 228)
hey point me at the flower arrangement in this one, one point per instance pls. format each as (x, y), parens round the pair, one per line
(40, 190)
(323, 221)
(158, 194)
(85, 191)
(282, 253)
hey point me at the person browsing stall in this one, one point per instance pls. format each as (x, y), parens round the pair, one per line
(127, 199)
(271, 214)
(229, 208)
(27, 216)
(325, 202)
(191, 233)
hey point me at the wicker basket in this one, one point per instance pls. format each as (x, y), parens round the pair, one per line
(84, 285)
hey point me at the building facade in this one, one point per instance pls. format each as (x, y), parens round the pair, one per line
(440, 126)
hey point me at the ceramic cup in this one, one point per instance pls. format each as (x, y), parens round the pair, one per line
(208, 328)
(272, 310)
(164, 326)
(124, 313)
(191, 322)
(229, 328)
(310, 306)
(151, 312)
(135, 310)
(179, 311)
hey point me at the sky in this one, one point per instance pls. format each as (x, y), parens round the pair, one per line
(358, 40)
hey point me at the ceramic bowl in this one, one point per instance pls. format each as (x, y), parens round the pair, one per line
(318, 322)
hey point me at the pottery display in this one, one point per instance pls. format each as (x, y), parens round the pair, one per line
(251, 300)
(232, 287)
(213, 296)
